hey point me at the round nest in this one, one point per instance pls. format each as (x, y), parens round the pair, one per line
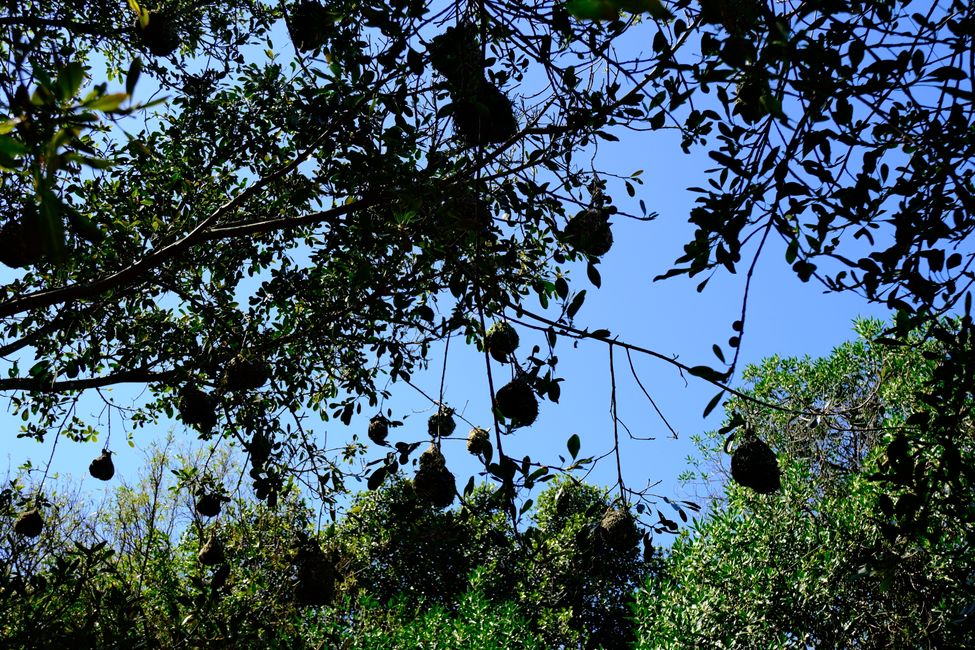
(456, 55)
(618, 529)
(212, 552)
(478, 441)
(306, 25)
(754, 465)
(501, 341)
(378, 429)
(159, 35)
(589, 232)
(245, 374)
(315, 585)
(484, 117)
(22, 242)
(442, 422)
(259, 449)
(752, 97)
(102, 467)
(197, 409)
(433, 482)
(29, 523)
(208, 504)
(517, 403)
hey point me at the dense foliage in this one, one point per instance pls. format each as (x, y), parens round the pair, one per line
(140, 571)
(815, 565)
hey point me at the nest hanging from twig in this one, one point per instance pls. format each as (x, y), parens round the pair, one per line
(754, 465)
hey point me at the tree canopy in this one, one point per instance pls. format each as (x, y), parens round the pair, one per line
(263, 215)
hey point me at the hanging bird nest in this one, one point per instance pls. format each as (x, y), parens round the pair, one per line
(484, 117)
(208, 504)
(618, 529)
(378, 429)
(197, 409)
(22, 241)
(219, 578)
(501, 341)
(245, 374)
(316, 575)
(479, 441)
(589, 232)
(160, 35)
(754, 465)
(212, 552)
(259, 448)
(306, 25)
(29, 523)
(517, 403)
(102, 467)
(457, 56)
(442, 422)
(433, 481)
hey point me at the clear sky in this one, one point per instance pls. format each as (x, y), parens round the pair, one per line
(785, 317)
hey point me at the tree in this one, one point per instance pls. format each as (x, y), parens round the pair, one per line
(812, 565)
(571, 573)
(295, 233)
(141, 569)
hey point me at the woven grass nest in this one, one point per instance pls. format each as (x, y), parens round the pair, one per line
(442, 422)
(589, 232)
(316, 575)
(378, 429)
(501, 341)
(29, 523)
(517, 403)
(160, 35)
(197, 409)
(102, 467)
(478, 441)
(619, 530)
(754, 465)
(433, 482)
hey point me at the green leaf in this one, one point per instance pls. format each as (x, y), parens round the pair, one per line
(712, 404)
(69, 80)
(107, 103)
(376, 479)
(592, 9)
(135, 69)
(573, 444)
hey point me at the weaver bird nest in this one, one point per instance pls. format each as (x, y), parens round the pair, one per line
(212, 552)
(501, 341)
(102, 467)
(306, 25)
(433, 482)
(208, 504)
(754, 465)
(478, 441)
(378, 429)
(29, 523)
(442, 422)
(159, 35)
(619, 529)
(22, 241)
(589, 232)
(197, 409)
(517, 403)
(315, 584)
(245, 374)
